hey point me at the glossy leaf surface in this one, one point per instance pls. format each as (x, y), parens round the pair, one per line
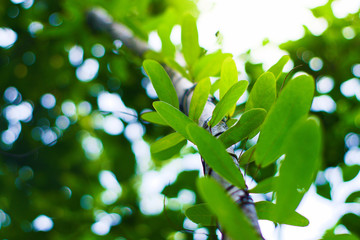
(199, 99)
(353, 197)
(263, 93)
(248, 123)
(265, 186)
(189, 40)
(278, 67)
(174, 118)
(299, 168)
(153, 117)
(266, 209)
(229, 76)
(247, 156)
(161, 82)
(214, 153)
(230, 216)
(167, 146)
(228, 102)
(209, 65)
(293, 104)
(201, 214)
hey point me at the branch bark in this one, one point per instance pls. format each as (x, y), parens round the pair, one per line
(99, 20)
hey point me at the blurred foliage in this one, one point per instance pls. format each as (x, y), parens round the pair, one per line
(61, 179)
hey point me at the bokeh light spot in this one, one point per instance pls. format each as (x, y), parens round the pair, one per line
(98, 50)
(325, 84)
(62, 122)
(7, 37)
(316, 64)
(10, 94)
(43, 223)
(113, 125)
(348, 33)
(55, 19)
(76, 55)
(68, 108)
(84, 108)
(323, 103)
(88, 70)
(35, 28)
(48, 101)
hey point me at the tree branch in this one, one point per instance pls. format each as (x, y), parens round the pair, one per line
(99, 20)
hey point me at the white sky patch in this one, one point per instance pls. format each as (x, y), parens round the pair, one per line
(244, 24)
(154, 41)
(342, 8)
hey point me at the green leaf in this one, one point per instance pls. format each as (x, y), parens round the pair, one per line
(215, 86)
(279, 66)
(161, 82)
(174, 65)
(351, 222)
(167, 146)
(293, 104)
(167, 47)
(209, 65)
(201, 214)
(184, 180)
(199, 99)
(350, 172)
(173, 117)
(339, 237)
(249, 121)
(265, 211)
(189, 40)
(230, 216)
(265, 186)
(231, 121)
(299, 168)
(214, 153)
(263, 93)
(247, 156)
(153, 117)
(229, 76)
(228, 102)
(353, 197)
